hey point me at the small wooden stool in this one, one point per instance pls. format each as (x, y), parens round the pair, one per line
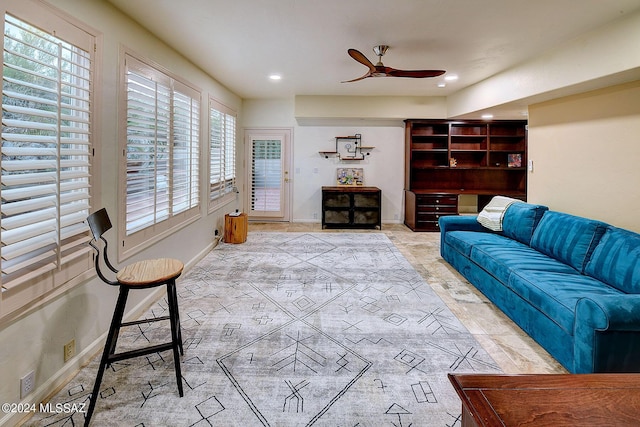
(235, 228)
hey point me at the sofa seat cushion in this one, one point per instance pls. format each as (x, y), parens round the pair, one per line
(567, 238)
(616, 260)
(464, 241)
(501, 260)
(556, 294)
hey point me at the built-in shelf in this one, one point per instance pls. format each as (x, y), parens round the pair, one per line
(447, 158)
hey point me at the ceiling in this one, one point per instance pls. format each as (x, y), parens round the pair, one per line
(241, 42)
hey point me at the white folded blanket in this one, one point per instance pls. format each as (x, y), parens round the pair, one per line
(492, 214)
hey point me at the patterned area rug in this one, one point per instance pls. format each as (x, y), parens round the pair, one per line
(292, 329)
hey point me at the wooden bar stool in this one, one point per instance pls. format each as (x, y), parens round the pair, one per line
(140, 275)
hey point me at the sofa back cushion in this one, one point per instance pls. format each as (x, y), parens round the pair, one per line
(567, 238)
(520, 220)
(616, 260)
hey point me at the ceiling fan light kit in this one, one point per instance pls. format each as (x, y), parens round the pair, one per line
(380, 70)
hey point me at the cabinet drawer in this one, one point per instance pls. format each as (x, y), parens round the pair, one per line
(366, 200)
(427, 226)
(370, 217)
(433, 199)
(336, 200)
(436, 209)
(430, 217)
(336, 217)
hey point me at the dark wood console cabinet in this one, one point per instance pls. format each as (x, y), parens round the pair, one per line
(351, 207)
(447, 158)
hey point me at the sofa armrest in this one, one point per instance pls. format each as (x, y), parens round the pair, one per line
(460, 222)
(607, 334)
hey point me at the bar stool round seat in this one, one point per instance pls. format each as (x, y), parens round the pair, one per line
(150, 272)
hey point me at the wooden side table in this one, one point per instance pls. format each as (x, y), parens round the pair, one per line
(556, 400)
(235, 228)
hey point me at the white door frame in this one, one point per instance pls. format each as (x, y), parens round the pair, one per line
(286, 136)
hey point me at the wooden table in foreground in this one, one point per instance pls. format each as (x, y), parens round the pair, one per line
(549, 400)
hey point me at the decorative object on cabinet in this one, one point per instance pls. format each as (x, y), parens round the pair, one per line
(351, 207)
(447, 158)
(514, 160)
(348, 148)
(350, 176)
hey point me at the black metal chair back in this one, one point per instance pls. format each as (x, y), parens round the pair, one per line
(99, 223)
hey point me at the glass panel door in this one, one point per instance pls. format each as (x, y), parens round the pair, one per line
(268, 174)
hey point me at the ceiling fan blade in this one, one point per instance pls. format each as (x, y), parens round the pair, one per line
(379, 70)
(414, 73)
(359, 78)
(358, 56)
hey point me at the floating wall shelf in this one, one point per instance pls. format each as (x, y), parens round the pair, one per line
(348, 148)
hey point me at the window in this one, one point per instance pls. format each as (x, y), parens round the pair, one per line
(162, 152)
(46, 158)
(222, 140)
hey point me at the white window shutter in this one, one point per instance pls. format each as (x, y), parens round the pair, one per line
(46, 153)
(162, 151)
(222, 145)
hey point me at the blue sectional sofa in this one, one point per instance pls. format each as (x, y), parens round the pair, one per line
(571, 283)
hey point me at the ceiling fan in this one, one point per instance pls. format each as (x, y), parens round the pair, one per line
(380, 70)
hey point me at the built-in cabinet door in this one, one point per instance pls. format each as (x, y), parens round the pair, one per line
(268, 165)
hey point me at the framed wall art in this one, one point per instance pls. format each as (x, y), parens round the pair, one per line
(350, 176)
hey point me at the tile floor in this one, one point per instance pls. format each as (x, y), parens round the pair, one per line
(509, 346)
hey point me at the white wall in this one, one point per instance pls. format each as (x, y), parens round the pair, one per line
(310, 108)
(383, 168)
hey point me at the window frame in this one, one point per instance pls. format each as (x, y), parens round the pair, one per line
(133, 243)
(42, 288)
(222, 198)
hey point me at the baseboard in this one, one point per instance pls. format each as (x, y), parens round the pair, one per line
(71, 368)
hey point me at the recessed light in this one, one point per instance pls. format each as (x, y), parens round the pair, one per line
(451, 78)
(442, 84)
(487, 116)
(275, 77)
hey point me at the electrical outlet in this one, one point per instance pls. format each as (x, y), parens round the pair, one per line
(27, 384)
(69, 350)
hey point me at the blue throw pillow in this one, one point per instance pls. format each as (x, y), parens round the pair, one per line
(520, 220)
(567, 238)
(616, 260)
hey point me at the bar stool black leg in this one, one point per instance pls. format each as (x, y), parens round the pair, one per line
(175, 331)
(109, 348)
(172, 297)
